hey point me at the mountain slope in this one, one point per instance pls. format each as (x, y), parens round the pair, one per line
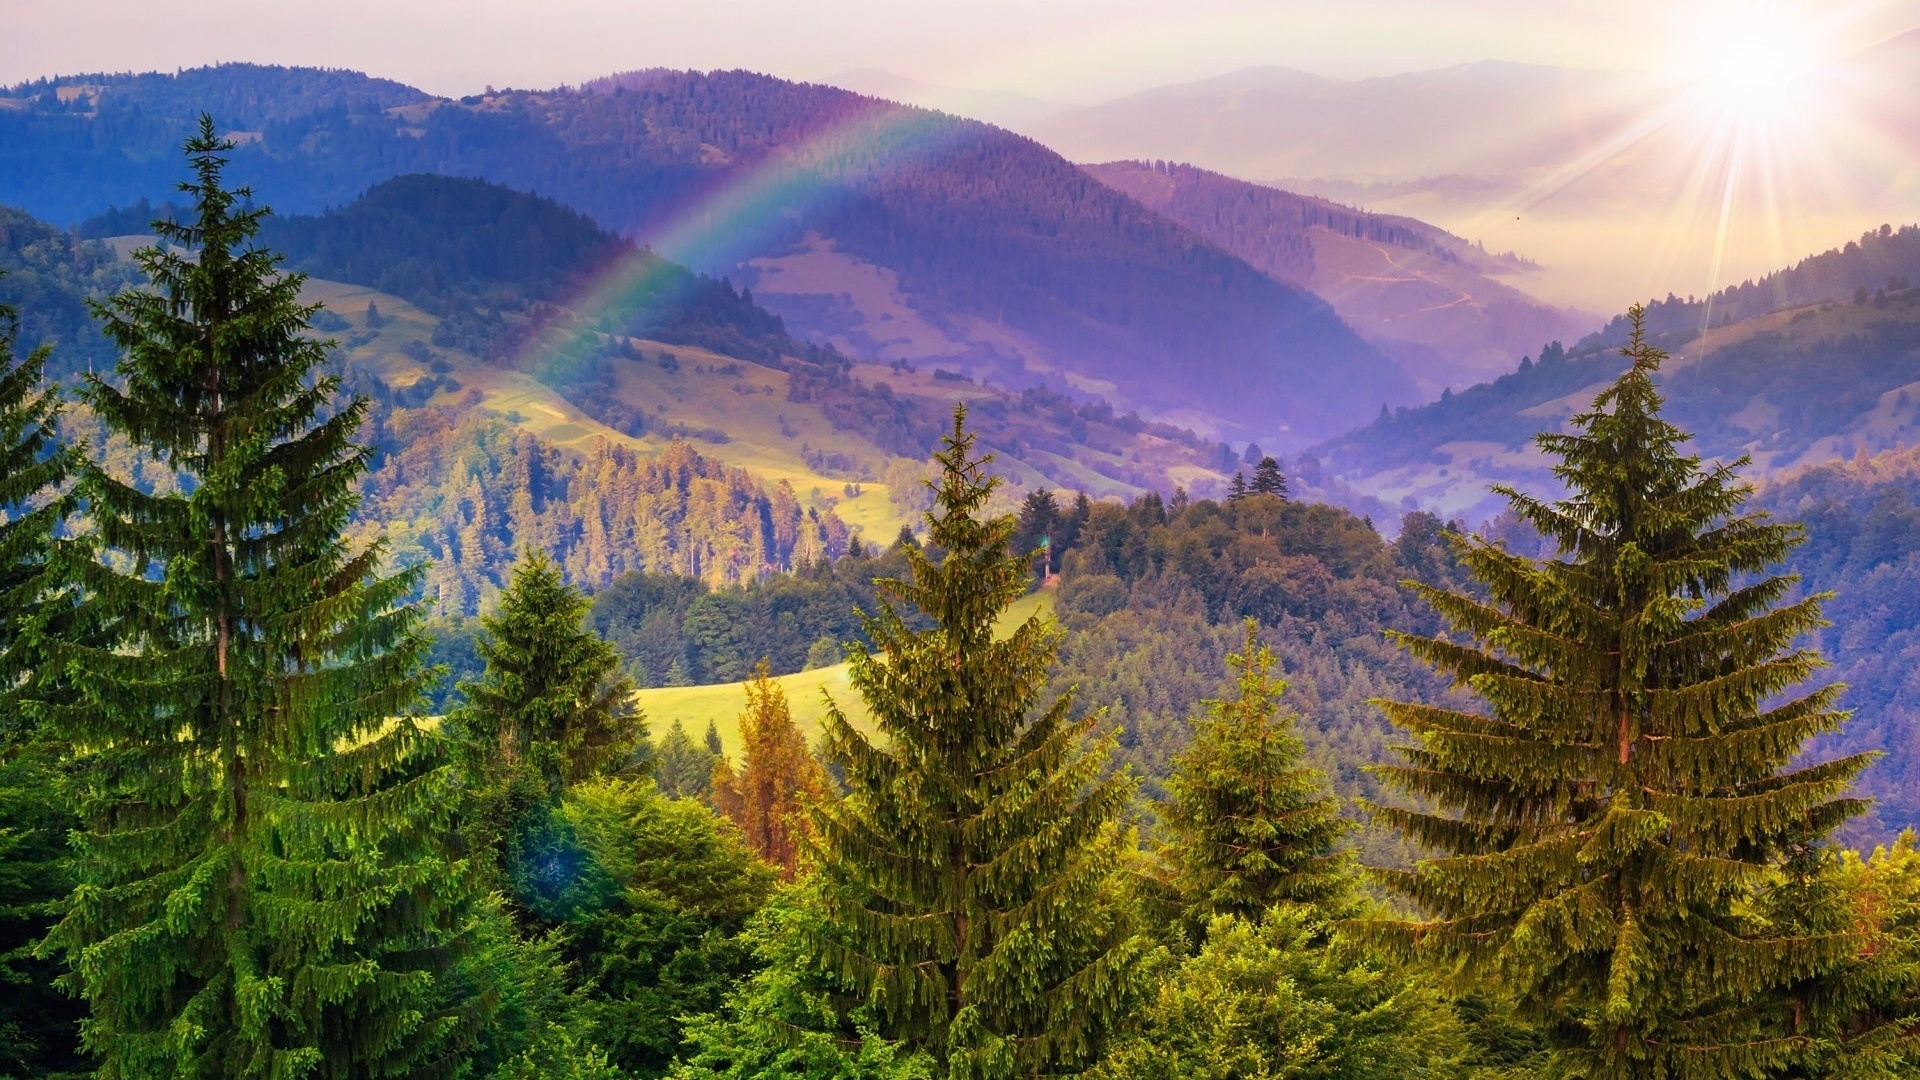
(1433, 302)
(1010, 262)
(505, 418)
(1814, 363)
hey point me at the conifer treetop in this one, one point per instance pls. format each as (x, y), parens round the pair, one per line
(968, 872)
(1252, 825)
(265, 888)
(1601, 830)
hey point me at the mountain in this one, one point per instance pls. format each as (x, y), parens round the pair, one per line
(894, 233)
(1808, 365)
(680, 427)
(1435, 303)
(1620, 183)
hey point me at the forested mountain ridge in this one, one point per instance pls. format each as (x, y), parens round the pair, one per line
(505, 418)
(972, 248)
(1807, 365)
(1447, 311)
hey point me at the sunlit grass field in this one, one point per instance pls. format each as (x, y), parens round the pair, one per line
(721, 703)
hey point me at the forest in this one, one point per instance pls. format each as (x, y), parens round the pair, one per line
(1271, 795)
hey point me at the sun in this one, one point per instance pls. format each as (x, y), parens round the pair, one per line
(1753, 60)
(1749, 65)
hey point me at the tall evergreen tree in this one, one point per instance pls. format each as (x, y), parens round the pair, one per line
(551, 708)
(553, 700)
(262, 890)
(1268, 479)
(768, 798)
(1251, 825)
(1606, 825)
(1237, 487)
(967, 868)
(39, 1026)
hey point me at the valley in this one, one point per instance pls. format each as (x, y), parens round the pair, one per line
(708, 574)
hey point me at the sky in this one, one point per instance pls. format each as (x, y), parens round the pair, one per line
(1068, 51)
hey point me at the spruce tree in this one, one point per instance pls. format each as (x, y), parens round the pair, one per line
(966, 871)
(683, 768)
(1268, 479)
(262, 890)
(39, 1026)
(1251, 826)
(1237, 487)
(767, 799)
(550, 709)
(553, 701)
(1605, 826)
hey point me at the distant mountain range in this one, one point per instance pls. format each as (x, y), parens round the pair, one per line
(1808, 365)
(1617, 181)
(1441, 307)
(896, 233)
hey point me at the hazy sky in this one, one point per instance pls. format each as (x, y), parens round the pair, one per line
(1077, 51)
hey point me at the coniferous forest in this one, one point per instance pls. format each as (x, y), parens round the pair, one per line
(1254, 794)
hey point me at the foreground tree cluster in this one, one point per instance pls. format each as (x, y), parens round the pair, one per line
(236, 844)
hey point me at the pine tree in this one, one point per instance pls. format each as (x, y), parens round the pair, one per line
(966, 871)
(683, 768)
(262, 891)
(778, 776)
(551, 708)
(1039, 520)
(553, 699)
(39, 1026)
(1251, 826)
(1268, 479)
(1237, 487)
(1607, 825)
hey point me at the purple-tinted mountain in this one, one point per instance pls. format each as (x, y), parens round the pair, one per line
(890, 231)
(1441, 307)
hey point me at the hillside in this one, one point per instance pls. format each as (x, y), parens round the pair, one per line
(896, 233)
(505, 418)
(1448, 312)
(1805, 366)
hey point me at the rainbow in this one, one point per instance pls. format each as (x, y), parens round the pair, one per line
(725, 224)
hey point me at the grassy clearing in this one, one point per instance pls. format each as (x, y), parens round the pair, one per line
(765, 433)
(721, 703)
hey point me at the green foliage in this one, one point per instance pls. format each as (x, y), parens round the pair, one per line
(1858, 1017)
(1268, 999)
(966, 871)
(1250, 826)
(46, 277)
(39, 1027)
(784, 1020)
(1606, 824)
(470, 492)
(658, 620)
(537, 1028)
(1268, 479)
(261, 890)
(552, 700)
(683, 767)
(666, 943)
